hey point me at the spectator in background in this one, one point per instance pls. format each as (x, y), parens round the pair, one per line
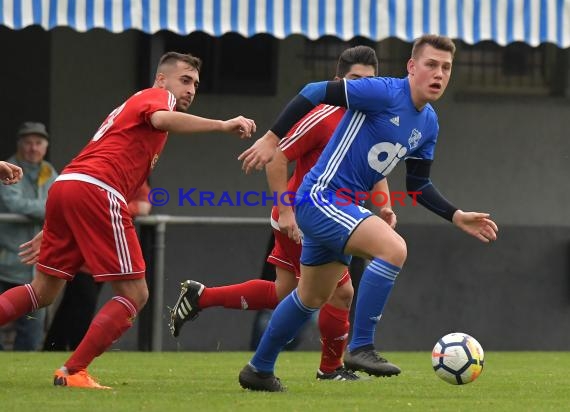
(79, 302)
(28, 197)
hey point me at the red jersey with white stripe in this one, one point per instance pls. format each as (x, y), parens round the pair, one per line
(126, 147)
(305, 142)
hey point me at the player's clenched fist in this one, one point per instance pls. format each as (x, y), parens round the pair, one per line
(243, 126)
(9, 173)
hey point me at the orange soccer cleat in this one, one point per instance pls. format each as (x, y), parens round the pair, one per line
(80, 379)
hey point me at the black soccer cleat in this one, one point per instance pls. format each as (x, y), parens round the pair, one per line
(250, 379)
(186, 307)
(339, 374)
(369, 361)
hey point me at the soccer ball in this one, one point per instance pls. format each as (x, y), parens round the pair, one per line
(457, 358)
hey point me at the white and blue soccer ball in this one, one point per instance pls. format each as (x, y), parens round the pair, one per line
(457, 358)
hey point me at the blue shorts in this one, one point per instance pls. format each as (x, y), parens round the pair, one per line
(327, 223)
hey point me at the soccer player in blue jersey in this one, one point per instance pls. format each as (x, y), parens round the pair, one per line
(387, 120)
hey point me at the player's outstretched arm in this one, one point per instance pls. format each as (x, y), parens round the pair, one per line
(418, 182)
(276, 172)
(262, 151)
(184, 123)
(9, 173)
(476, 224)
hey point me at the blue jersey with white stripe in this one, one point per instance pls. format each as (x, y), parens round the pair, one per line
(380, 128)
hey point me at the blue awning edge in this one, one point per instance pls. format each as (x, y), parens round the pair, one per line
(503, 21)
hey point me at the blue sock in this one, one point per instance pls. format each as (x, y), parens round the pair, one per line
(375, 286)
(287, 319)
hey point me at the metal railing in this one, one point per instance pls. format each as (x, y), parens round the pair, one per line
(160, 222)
(14, 218)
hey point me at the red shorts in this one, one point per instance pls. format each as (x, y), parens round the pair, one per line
(286, 254)
(87, 225)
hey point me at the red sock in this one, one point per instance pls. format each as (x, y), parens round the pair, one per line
(114, 318)
(251, 295)
(334, 325)
(16, 302)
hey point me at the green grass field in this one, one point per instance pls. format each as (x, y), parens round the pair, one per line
(193, 381)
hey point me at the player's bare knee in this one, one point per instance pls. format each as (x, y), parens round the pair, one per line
(46, 288)
(44, 299)
(394, 251)
(282, 290)
(134, 290)
(316, 300)
(285, 283)
(402, 252)
(142, 298)
(342, 296)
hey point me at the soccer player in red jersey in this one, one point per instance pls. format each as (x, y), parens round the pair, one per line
(87, 219)
(303, 145)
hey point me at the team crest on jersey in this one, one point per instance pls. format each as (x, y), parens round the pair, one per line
(414, 139)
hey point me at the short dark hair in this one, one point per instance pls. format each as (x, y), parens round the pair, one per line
(356, 55)
(437, 42)
(171, 58)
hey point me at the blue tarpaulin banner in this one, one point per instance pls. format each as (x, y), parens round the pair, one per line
(502, 21)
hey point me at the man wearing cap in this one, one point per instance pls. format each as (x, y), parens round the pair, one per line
(28, 197)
